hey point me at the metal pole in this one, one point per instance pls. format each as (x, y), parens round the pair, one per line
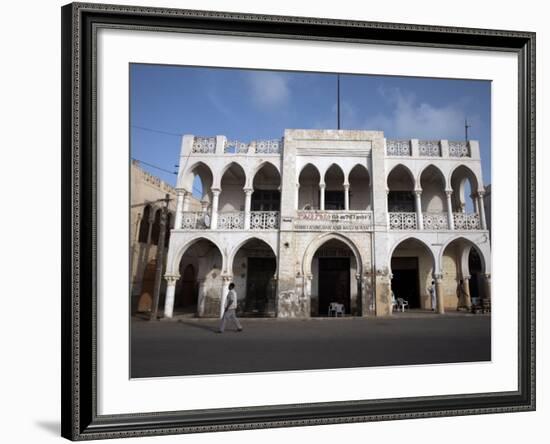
(159, 259)
(338, 98)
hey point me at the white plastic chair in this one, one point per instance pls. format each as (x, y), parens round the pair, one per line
(336, 309)
(402, 303)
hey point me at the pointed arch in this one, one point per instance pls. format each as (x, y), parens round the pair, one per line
(319, 241)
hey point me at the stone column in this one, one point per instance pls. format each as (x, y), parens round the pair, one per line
(215, 200)
(418, 206)
(481, 209)
(201, 297)
(247, 204)
(439, 293)
(467, 297)
(186, 201)
(179, 208)
(474, 200)
(346, 196)
(487, 282)
(322, 196)
(449, 193)
(171, 280)
(297, 196)
(225, 288)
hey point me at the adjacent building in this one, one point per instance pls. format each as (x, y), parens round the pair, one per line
(324, 216)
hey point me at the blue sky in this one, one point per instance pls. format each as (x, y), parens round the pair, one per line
(167, 101)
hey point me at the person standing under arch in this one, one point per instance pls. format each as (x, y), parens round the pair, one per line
(433, 296)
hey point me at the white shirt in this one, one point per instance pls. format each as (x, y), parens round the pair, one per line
(231, 302)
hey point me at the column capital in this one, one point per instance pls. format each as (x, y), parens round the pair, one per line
(248, 190)
(417, 193)
(481, 193)
(466, 278)
(227, 278)
(449, 193)
(346, 185)
(216, 191)
(322, 185)
(181, 191)
(438, 277)
(171, 279)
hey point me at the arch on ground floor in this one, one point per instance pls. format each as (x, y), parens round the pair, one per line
(172, 267)
(316, 243)
(413, 267)
(236, 248)
(483, 253)
(433, 254)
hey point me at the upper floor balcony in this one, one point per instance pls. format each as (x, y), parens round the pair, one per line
(221, 145)
(443, 149)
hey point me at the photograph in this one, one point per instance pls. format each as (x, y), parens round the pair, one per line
(296, 220)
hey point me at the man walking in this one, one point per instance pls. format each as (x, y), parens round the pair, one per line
(433, 295)
(230, 309)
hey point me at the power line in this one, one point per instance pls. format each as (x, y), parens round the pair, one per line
(154, 166)
(156, 131)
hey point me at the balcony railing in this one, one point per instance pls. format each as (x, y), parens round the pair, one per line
(466, 221)
(231, 220)
(264, 220)
(398, 147)
(435, 221)
(195, 220)
(331, 220)
(403, 221)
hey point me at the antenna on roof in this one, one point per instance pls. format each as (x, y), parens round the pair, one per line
(466, 126)
(338, 98)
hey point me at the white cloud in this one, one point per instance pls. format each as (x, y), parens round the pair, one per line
(411, 118)
(268, 88)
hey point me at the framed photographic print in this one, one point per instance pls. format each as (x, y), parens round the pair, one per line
(277, 221)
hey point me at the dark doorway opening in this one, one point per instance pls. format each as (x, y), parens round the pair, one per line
(334, 283)
(334, 200)
(186, 291)
(260, 287)
(405, 280)
(474, 264)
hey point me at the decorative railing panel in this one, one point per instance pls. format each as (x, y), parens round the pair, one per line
(269, 146)
(317, 220)
(195, 220)
(466, 221)
(435, 221)
(398, 147)
(459, 149)
(429, 148)
(264, 220)
(204, 145)
(403, 221)
(234, 146)
(233, 220)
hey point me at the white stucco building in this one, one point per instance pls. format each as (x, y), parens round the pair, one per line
(324, 216)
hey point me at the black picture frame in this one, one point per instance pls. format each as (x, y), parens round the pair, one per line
(80, 420)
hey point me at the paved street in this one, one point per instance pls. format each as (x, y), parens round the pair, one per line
(192, 346)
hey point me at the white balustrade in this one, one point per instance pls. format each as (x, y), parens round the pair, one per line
(398, 147)
(466, 221)
(435, 221)
(231, 220)
(403, 221)
(204, 145)
(264, 220)
(195, 220)
(459, 149)
(429, 148)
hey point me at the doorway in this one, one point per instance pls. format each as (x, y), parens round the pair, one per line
(405, 280)
(334, 283)
(260, 286)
